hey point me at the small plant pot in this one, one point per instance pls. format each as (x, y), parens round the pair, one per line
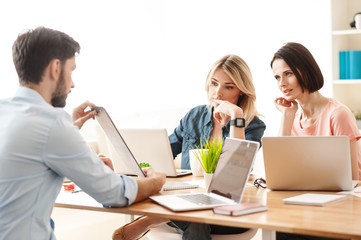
(196, 167)
(207, 179)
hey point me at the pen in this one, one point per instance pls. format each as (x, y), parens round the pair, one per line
(76, 191)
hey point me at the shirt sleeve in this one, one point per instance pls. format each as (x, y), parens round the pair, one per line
(255, 130)
(67, 154)
(176, 140)
(343, 123)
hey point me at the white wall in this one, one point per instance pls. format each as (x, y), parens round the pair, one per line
(139, 56)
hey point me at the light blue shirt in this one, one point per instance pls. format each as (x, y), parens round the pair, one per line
(39, 147)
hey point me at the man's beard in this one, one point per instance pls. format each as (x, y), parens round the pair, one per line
(59, 96)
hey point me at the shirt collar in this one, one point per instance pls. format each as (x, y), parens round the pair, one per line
(30, 95)
(208, 119)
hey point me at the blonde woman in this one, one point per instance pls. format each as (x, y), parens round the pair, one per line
(231, 112)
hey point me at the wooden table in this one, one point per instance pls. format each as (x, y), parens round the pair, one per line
(339, 220)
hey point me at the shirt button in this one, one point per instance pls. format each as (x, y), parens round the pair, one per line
(187, 138)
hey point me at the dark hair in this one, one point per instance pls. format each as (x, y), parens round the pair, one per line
(302, 64)
(35, 49)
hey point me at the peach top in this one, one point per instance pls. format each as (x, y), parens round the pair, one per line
(335, 120)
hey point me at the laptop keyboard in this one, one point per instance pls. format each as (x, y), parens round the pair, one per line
(183, 171)
(201, 199)
(175, 185)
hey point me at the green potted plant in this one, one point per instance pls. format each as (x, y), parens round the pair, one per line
(209, 159)
(208, 155)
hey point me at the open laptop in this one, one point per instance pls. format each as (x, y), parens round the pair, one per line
(124, 160)
(320, 163)
(227, 184)
(152, 146)
(118, 143)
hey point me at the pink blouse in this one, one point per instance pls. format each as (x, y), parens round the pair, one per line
(335, 120)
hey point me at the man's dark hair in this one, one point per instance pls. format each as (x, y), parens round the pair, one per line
(302, 64)
(35, 49)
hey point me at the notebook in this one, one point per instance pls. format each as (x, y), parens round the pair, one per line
(152, 146)
(314, 199)
(118, 143)
(178, 185)
(320, 163)
(227, 184)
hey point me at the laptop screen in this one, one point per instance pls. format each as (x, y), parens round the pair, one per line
(117, 141)
(320, 163)
(233, 168)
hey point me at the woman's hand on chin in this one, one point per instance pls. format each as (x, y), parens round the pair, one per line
(225, 111)
(285, 106)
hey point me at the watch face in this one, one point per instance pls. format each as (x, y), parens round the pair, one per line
(240, 122)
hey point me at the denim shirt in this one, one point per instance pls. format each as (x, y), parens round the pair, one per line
(197, 123)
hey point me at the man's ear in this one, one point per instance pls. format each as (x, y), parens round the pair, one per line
(54, 69)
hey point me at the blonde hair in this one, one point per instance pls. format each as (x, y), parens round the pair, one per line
(237, 69)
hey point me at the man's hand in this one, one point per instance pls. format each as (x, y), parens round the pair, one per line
(80, 116)
(107, 161)
(150, 185)
(159, 177)
(151, 173)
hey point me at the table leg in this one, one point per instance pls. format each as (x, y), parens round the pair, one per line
(128, 218)
(268, 234)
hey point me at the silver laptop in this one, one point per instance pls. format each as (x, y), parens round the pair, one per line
(152, 146)
(123, 158)
(118, 143)
(227, 184)
(308, 163)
